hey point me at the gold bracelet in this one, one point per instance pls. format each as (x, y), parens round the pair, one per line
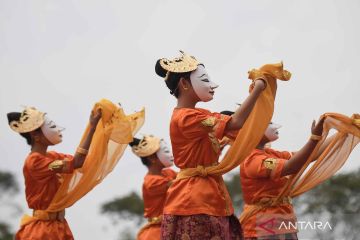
(315, 137)
(82, 151)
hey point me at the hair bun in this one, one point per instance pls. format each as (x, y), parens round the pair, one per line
(135, 142)
(13, 116)
(160, 71)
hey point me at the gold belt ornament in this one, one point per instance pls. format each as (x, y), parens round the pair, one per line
(155, 220)
(200, 171)
(49, 216)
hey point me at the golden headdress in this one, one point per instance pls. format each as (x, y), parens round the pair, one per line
(275, 70)
(148, 145)
(184, 63)
(30, 119)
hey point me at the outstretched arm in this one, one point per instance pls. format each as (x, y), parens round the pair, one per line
(295, 163)
(82, 150)
(242, 113)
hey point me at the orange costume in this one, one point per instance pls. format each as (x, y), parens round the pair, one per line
(194, 137)
(154, 195)
(261, 182)
(49, 192)
(41, 185)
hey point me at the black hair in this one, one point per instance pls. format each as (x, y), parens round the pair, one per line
(227, 112)
(15, 116)
(173, 79)
(144, 160)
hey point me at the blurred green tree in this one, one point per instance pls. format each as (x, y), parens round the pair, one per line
(338, 201)
(130, 207)
(8, 187)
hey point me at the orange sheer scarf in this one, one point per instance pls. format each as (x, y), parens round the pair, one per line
(330, 160)
(253, 130)
(113, 132)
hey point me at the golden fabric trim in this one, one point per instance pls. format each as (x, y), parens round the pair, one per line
(214, 143)
(63, 165)
(155, 220)
(270, 163)
(151, 222)
(55, 165)
(184, 63)
(30, 119)
(209, 122)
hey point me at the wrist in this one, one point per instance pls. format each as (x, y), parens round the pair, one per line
(82, 151)
(315, 137)
(92, 128)
(260, 83)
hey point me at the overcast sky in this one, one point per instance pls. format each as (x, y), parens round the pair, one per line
(63, 56)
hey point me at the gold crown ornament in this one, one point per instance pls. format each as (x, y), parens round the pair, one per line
(30, 120)
(147, 146)
(184, 63)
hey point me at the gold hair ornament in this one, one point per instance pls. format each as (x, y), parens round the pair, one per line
(147, 146)
(184, 63)
(30, 120)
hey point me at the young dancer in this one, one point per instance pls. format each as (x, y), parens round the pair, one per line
(41, 171)
(199, 207)
(156, 156)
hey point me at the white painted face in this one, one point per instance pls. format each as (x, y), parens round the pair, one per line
(272, 132)
(164, 154)
(51, 131)
(203, 86)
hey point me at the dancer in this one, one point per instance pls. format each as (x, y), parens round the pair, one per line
(270, 179)
(199, 207)
(156, 156)
(263, 176)
(55, 181)
(41, 170)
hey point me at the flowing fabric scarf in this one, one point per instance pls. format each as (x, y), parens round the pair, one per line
(329, 160)
(112, 135)
(253, 130)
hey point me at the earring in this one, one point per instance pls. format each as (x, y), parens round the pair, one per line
(185, 88)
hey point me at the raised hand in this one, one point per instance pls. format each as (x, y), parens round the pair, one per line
(95, 117)
(317, 128)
